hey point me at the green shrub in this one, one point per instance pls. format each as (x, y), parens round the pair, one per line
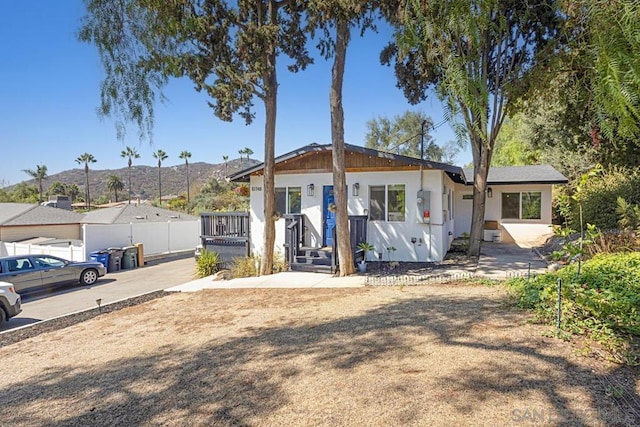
(208, 263)
(603, 302)
(600, 194)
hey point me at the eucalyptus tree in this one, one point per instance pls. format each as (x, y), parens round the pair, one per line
(39, 174)
(333, 20)
(186, 155)
(480, 56)
(130, 154)
(115, 184)
(85, 159)
(229, 50)
(161, 156)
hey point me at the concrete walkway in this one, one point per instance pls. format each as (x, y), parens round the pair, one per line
(497, 261)
(289, 279)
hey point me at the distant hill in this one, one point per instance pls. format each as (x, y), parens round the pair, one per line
(144, 179)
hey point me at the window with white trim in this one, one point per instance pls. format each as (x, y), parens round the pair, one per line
(522, 205)
(288, 200)
(387, 203)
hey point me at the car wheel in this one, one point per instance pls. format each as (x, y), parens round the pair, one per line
(88, 277)
(3, 316)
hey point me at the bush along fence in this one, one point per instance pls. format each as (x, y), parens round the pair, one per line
(601, 301)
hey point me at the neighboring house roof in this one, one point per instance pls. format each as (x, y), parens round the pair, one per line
(13, 214)
(530, 174)
(455, 172)
(134, 213)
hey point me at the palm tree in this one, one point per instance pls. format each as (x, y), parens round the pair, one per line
(160, 155)
(130, 153)
(248, 151)
(73, 191)
(186, 156)
(241, 152)
(225, 158)
(115, 184)
(40, 174)
(86, 158)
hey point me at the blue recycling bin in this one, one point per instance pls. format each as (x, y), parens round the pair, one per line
(101, 256)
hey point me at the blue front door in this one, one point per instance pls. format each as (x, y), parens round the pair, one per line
(328, 214)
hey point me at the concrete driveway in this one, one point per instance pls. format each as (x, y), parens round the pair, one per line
(156, 275)
(503, 260)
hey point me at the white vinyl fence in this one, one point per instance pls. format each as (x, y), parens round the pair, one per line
(72, 253)
(157, 238)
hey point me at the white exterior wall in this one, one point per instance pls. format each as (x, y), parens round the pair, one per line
(520, 231)
(432, 240)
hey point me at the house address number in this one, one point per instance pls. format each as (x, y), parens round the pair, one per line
(256, 188)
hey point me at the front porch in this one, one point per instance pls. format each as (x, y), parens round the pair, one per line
(301, 257)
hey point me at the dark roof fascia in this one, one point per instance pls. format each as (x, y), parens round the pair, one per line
(521, 182)
(456, 173)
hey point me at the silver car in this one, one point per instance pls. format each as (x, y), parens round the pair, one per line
(28, 272)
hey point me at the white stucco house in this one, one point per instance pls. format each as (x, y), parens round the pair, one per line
(416, 206)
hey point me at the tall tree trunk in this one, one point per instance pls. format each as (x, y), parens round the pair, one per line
(159, 185)
(116, 192)
(188, 198)
(129, 180)
(271, 104)
(345, 257)
(481, 161)
(86, 180)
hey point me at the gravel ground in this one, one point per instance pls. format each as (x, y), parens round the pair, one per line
(449, 354)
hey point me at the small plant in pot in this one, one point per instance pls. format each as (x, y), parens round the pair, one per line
(366, 247)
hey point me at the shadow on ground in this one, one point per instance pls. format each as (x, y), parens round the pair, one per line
(221, 384)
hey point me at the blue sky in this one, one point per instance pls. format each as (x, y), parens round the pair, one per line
(49, 91)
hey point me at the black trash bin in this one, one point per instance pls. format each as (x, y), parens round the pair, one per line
(115, 259)
(130, 257)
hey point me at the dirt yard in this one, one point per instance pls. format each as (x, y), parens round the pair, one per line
(433, 355)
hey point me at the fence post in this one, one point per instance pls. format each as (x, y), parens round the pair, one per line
(559, 320)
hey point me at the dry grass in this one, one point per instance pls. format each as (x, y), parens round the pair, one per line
(433, 355)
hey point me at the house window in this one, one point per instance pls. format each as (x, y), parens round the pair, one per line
(525, 205)
(288, 200)
(294, 204)
(387, 203)
(377, 205)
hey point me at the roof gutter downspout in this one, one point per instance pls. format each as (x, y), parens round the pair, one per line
(424, 122)
(422, 125)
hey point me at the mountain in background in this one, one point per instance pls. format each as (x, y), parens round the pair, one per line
(144, 179)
